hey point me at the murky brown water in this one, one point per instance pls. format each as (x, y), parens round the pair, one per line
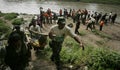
(32, 6)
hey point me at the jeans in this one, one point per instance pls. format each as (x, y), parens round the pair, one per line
(56, 48)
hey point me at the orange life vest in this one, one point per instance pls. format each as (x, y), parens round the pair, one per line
(101, 23)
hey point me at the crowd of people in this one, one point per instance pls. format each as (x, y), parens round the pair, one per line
(19, 45)
(80, 16)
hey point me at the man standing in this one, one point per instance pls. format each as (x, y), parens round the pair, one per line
(77, 27)
(101, 24)
(57, 35)
(89, 24)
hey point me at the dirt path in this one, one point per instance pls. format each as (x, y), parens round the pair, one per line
(39, 62)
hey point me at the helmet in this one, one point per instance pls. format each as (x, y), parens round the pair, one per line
(61, 20)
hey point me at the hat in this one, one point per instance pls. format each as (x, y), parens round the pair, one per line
(61, 20)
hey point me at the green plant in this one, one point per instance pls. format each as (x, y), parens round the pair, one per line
(18, 21)
(4, 29)
(2, 22)
(10, 16)
(104, 59)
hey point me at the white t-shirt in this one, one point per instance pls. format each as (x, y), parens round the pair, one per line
(92, 19)
(36, 28)
(66, 31)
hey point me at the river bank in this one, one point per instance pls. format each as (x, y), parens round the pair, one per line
(99, 47)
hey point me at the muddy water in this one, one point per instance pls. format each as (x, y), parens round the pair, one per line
(32, 6)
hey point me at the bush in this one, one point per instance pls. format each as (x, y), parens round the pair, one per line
(18, 21)
(4, 29)
(10, 16)
(103, 59)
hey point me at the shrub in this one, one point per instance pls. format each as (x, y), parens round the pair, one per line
(4, 29)
(18, 21)
(10, 16)
(103, 59)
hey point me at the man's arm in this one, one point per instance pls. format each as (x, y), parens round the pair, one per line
(35, 32)
(76, 38)
(51, 35)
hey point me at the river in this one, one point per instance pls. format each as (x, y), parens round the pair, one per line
(32, 6)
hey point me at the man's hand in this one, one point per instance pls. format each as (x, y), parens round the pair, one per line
(81, 45)
(79, 41)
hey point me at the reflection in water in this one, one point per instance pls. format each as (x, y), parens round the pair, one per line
(32, 6)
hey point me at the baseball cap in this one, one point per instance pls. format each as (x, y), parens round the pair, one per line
(61, 20)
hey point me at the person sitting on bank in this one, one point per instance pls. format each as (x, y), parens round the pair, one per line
(57, 35)
(35, 30)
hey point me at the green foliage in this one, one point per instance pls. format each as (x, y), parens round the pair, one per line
(103, 59)
(94, 58)
(10, 16)
(18, 21)
(2, 22)
(4, 29)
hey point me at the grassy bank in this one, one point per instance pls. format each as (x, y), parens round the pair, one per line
(5, 21)
(94, 58)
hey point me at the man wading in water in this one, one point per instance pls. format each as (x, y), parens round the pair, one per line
(57, 35)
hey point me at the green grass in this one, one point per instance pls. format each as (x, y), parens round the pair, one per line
(93, 57)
